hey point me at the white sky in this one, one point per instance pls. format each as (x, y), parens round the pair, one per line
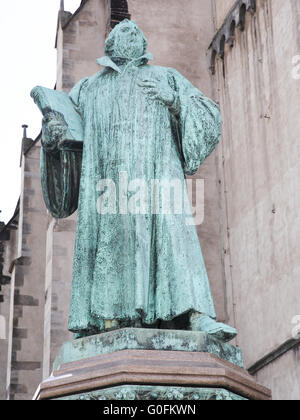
(28, 58)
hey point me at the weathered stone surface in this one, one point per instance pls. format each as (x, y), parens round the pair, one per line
(146, 339)
(260, 179)
(23, 308)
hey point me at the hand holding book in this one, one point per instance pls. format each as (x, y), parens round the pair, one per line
(54, 130)
(62, 124)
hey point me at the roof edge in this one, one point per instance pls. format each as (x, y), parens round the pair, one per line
(67, 21)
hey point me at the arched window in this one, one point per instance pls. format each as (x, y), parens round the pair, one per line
(213, 62)
(231, 33)
(222, 46)
(242, 21)
(119, 11)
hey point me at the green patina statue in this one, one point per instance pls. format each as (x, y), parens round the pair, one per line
(133, 265)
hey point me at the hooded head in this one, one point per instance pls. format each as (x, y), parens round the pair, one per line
(126, 41)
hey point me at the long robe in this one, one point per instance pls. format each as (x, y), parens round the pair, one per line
(126, 266)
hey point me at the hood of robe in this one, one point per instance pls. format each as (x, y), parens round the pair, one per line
(106, 61)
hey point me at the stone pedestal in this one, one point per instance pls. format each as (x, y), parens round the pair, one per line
(144, 364)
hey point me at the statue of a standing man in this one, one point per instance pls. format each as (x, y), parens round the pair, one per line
(150, 123)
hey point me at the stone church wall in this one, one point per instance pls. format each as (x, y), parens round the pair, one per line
(259, 174)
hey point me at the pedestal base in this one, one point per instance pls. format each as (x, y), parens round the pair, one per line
(156, 393)
(150, 364)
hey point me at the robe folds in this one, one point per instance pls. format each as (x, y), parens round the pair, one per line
(132, 266)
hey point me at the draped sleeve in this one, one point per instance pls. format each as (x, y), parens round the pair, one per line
(199, 122)
(61, 169)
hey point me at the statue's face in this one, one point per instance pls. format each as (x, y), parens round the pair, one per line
(129, 41)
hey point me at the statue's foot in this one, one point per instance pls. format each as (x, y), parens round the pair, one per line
(137, 323)
(218, 330)
(111, 325)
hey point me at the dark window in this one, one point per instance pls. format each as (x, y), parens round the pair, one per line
(119, 11)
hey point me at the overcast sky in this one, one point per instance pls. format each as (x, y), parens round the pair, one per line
(28, 58)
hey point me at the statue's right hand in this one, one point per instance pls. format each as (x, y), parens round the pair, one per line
(54, 130)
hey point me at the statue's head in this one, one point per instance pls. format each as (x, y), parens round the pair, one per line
(126, 40)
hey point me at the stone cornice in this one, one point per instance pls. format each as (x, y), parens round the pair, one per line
(226, 34)
(288, 345)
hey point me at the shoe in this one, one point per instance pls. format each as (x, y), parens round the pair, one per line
(111, 325)
(218, 330)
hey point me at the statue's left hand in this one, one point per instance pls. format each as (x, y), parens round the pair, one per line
(158, 90)
(54, 129)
